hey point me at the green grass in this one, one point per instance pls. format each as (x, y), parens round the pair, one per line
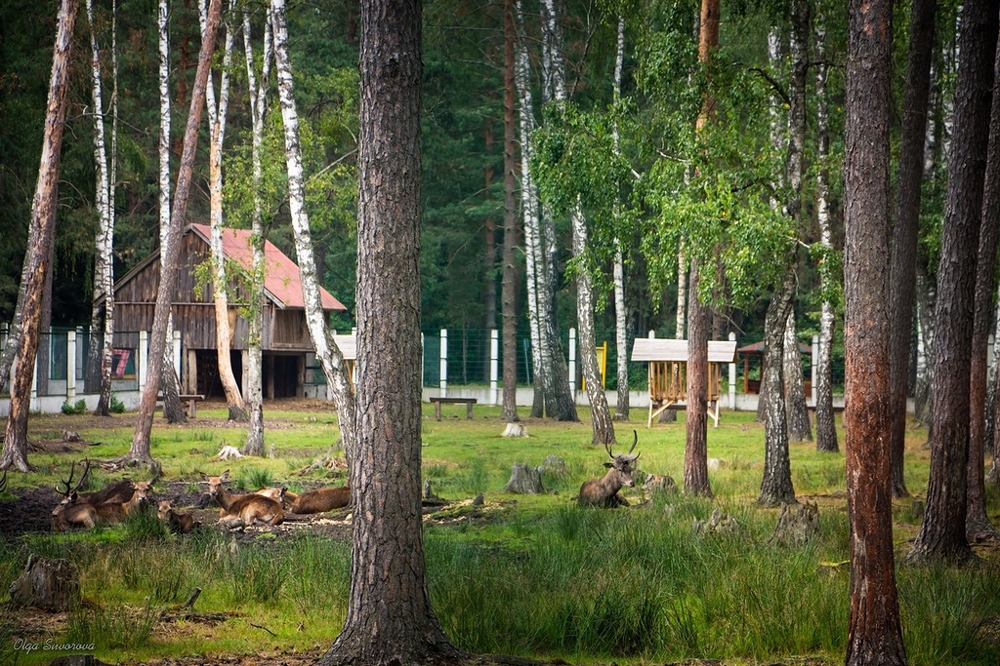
(538, 577)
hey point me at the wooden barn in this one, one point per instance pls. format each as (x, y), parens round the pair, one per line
(288, 354)
(667, 361)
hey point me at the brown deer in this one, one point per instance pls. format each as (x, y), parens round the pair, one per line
(181, 523)
(243, 510)
(319, 500)
(79, 513)
(660, 483)
(603, 492)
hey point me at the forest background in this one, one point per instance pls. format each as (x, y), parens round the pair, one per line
(462, 150)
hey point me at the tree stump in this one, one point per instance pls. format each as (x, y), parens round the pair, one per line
(514, 429)
(797, 523)
(52, 585)
(524, 480)
(718, 523)
(78, 660)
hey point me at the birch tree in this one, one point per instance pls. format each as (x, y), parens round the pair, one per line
(826, 429)
(218, 106)
(621, 306)
(170, 251)
(255, 333)
(41, 231)
(327, 353)
(103, 311)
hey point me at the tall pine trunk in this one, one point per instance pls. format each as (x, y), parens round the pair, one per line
(978, 526)
(41, 232)
(874, 635)
(508, 292)
(904, 242)
(943, 531)
(389, 618)
(170, 251)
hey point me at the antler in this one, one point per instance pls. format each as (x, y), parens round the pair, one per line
(634, 441)
(607, 447)
(67, 482)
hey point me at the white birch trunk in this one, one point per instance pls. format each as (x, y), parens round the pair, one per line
(621, 308)
(529, 209)
(327, 352)
(258, 106)
(826, 431)
(102, 314)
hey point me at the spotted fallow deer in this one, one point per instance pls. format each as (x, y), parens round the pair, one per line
(243, 510)
(603, 492)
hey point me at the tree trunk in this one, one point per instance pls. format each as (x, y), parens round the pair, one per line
(799, 428)
(696, 429)
(826, 429)
(13, 341)
(509, 286)
(926, 299)
(217, 109)
(389, 618)
(170, 251)
(559, 399)
(603, 429)
(102, 312)
(978, 526)
(327, 352)
(41, 234)
(874, 634)
(904, 242)
(776, 486)
(943, 531)
(621, 306)
(254, 445)
(529, 209)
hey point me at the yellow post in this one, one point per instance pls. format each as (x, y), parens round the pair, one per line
(602, 364)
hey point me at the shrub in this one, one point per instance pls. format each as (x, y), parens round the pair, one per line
(79, 407)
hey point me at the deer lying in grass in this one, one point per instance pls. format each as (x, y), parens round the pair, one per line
(318, 501)
(603, 492)
(180, 523)
(79, 513)
(243, 510)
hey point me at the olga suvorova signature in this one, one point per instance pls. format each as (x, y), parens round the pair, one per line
(21, 645)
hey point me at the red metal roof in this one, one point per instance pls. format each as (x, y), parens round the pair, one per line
(281, 282)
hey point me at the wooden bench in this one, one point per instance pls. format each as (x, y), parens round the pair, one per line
(191, 401)
(468, 402)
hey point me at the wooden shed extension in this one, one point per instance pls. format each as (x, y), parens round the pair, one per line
(286, 342)
(667, 361)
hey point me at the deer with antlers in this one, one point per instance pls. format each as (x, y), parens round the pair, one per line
(244, 510)
(604, 492)
(108, 506)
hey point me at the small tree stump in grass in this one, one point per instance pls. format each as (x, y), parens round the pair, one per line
(797, 523)
(515, 430)
(52, 585)
(524, 480)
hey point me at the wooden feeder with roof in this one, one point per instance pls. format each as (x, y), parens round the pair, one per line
(667, 361)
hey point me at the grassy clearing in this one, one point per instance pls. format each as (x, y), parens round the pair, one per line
(538, 577)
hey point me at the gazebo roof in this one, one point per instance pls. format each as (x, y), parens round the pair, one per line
(656, 349)
(757, 349)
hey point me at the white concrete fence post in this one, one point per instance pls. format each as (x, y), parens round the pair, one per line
(140, 367)
(494, 365)
(70, 366)
(572, 362)
(732, 377)
(443, 366)
(176, 349)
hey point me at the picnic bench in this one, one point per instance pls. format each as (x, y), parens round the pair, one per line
(191, 400)
(437, 402)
